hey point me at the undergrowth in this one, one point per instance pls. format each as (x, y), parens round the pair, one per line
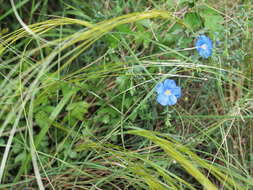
(78, 101)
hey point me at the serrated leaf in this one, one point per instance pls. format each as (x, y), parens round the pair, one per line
(193, 20)
(41, 118)
(78, 109)
(107, 111)
(77, 105)
(142, 35)
(67, 89)
(213, 22)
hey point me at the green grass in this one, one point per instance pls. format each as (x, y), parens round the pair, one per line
(78, 101)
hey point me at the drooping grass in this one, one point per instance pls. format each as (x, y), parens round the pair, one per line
(72, 88)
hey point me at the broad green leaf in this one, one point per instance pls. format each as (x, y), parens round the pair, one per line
(78, 109)
(20, 157)
(213, 21)
(193, 20)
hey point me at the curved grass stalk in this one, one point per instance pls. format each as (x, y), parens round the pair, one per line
(173, 148)
(102, 28)
(129, 160)
(93, 33)
(38, 29)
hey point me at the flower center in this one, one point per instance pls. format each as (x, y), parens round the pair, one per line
(168, 92)
(204, 46)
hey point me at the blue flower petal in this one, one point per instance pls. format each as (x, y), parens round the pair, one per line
(168, 92)
(172, 100)
(166, 100)
(176, 91)
(204, 53)
(168, 83)
(162, 99)
(207, 42)
(159, 88)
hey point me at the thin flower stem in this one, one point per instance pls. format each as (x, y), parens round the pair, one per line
(186, 49)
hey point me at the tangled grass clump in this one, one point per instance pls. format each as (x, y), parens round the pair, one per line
(78, 107)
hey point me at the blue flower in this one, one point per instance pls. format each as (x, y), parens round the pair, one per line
(168, 92)
(204, 46)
